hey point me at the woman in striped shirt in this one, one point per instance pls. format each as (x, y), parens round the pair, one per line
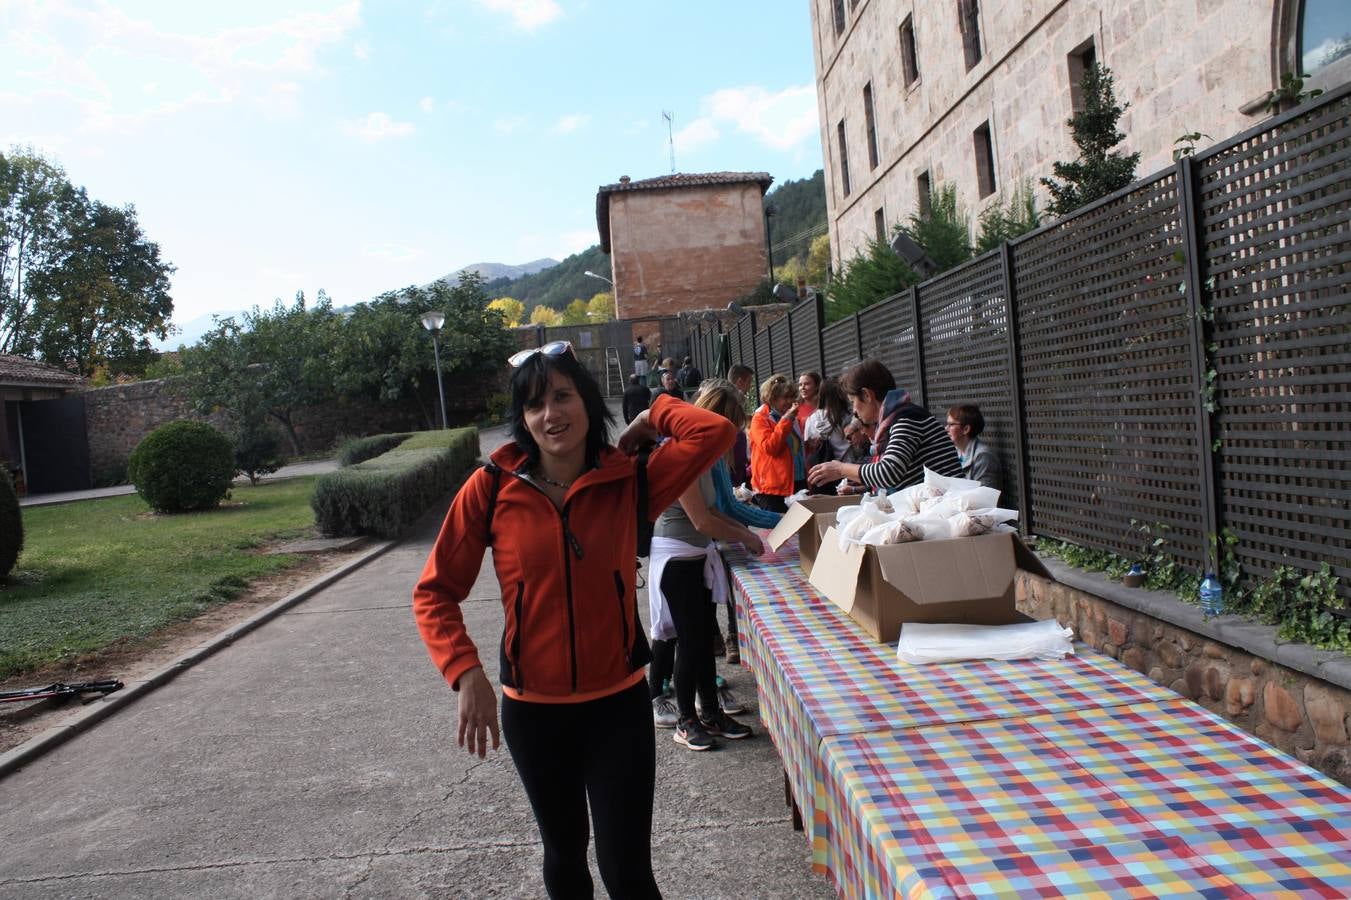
(906, 438)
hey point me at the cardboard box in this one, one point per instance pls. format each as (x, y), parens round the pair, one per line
(963, 580)
(820, 512)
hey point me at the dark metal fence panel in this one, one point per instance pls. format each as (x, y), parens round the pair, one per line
(888, 330)
(763, 368)
(806, 337)
(780, 350)
(1277, 252)
(964, 327)
(1109, 385)
(743, 352)
(841, 346)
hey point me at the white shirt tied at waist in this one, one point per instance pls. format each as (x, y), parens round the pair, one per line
(663, 551)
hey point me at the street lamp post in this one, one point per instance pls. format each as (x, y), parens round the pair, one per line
(432, 321)
(590, 274)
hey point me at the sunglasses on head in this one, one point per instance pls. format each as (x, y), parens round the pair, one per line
(552, 349)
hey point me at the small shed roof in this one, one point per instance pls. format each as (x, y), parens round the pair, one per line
(668, 182)
(19, 371)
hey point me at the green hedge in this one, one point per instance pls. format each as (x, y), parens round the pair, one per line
(385, 495)
(358, 450)
(183, 467)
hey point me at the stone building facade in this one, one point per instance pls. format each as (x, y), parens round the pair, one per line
(683, 242)
(976, 93)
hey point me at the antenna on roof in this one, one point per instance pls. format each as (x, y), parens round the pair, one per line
(670, 134)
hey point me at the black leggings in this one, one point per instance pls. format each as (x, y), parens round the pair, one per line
(602, 751)
(695, 619)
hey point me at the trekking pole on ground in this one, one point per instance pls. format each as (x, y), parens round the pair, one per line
(59, 689)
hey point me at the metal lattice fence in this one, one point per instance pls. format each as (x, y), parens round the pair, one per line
(1277, 266)
(806, 338)
(840, 343)
(781, 348)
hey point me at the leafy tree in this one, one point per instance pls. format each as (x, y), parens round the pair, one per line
(543, 315)
(103, 290)
(866, 279)
(383, 352)
(1099, 170)
(31, 189)
(273, 364)
(789, 271)
(799, 215)
(512, 310)
(818, 260)
(944, 230)
(999, 223)
(575, 313)
(601, 307)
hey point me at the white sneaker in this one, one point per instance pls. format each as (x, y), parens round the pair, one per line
(664, 714)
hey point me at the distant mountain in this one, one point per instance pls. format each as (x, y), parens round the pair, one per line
(558, 285)
(191, 332)
(799, 216)
(496, 271)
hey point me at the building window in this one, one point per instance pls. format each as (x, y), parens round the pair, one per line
(923, 191)
(909, 59)
(1325, 36)
(844, 158)
(968, 18)
(880, 221)
(1081, 60)
(984, 159)
(839, 17)
(872, 125)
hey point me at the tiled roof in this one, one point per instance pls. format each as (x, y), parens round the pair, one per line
(669, 182)
(17, 370)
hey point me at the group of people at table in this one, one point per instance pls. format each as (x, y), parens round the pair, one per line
(559, 505)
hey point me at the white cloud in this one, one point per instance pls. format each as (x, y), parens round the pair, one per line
(509, 124)
(638, 126)
(361, 50)
(391, 252)
(577, 241)
(76, 51)
(377, 127)
(527, 14)
(427, 104)
(781, 120)
(570, 123)
(695, 135)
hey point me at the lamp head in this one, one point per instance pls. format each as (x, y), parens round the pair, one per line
(433, 320)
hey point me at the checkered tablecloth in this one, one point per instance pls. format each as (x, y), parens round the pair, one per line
(1080, 772)
(819, 675)
(1156, 799)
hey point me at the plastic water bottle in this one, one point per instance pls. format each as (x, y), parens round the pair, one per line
(1212, 595)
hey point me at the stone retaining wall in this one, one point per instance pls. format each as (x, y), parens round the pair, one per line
(119, 416)
(1300, 714)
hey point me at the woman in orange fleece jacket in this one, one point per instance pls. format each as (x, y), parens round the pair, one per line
(778, 467)
(560, 513)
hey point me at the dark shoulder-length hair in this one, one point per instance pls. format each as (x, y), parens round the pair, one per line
(531, 380)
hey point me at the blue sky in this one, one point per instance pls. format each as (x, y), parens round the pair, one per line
(362, 146)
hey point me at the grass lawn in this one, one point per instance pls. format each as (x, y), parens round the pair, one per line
(100, 571)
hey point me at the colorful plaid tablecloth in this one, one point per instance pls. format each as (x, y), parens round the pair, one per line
(819, 675)
(1156, 799)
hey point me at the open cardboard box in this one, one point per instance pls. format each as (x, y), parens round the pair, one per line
(962, 580)
(820, 512)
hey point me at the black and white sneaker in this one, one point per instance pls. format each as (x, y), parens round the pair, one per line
(691, 733)
(725, 726)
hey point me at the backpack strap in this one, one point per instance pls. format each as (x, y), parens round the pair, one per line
(644, 525)
(496, 472)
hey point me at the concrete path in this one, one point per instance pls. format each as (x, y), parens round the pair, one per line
(315, 757)
(303, 468)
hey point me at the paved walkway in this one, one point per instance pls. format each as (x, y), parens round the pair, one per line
(303, 468)
(314, 757)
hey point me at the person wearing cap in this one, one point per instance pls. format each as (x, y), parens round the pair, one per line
(906, 438)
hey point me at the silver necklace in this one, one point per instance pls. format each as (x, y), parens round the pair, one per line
(558, 484)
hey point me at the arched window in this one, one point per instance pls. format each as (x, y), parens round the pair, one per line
(1323, 51)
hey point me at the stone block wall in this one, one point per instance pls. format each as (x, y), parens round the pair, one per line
(1294, 711)
(119, 416)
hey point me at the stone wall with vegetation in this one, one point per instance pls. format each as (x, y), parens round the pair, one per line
(119, 416)
(1293, 710)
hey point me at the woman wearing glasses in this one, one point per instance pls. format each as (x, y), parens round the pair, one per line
(560, 513)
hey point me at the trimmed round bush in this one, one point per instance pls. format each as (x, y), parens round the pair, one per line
(11, 525)
(183, 466)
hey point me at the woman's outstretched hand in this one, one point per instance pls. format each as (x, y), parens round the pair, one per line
(478, 712)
